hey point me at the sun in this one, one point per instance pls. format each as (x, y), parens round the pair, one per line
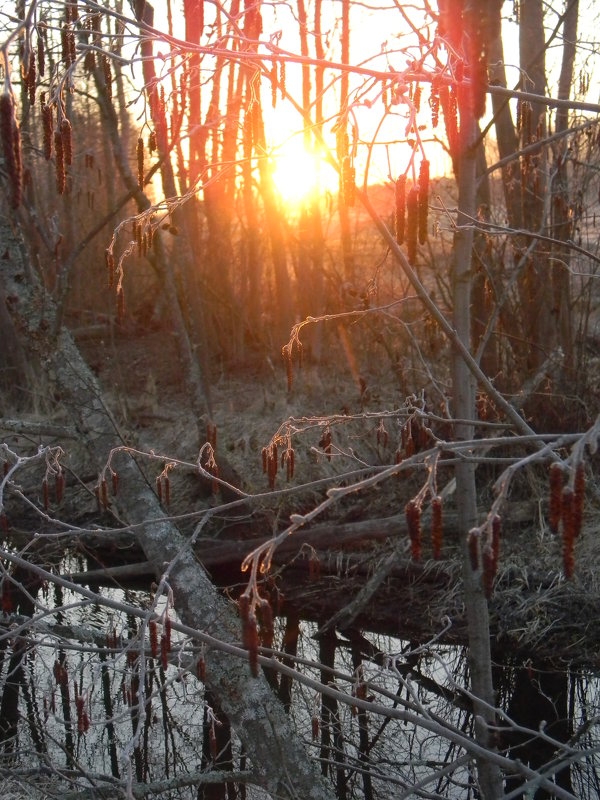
(299, 174)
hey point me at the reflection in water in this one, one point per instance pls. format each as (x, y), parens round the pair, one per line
(88, 689)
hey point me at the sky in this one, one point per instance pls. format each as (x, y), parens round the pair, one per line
(380, 39)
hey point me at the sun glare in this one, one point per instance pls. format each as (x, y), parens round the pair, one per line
(298, 174)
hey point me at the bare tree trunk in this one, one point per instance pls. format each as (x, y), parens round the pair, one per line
(463, 406)
(506, 136)
(343, 208)
(539, 329)
(561, 228)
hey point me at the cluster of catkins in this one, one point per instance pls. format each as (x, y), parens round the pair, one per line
(277, 76)
(60, 139)
(566, 508)
(160, 647)
(413, 511)
(490, 552)
(256, 627)
(411, 211)
(271, 462)
(287, 352)
(59, 488)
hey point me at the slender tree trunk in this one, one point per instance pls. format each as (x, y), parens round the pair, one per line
(463, 394)
(539, 328)
(346, 237)
(506, 136)
(561, 228)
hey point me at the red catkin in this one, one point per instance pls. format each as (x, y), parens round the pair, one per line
(423, 200)
(267, 629)
(436, 527)
(140, 162)
(59, 163)
(315, 727)
(107, 76)
(41, 56)
(412, 224)
(568, 522)
(66, 135)
(413, 520)
(578, 498)
(153, 631)
(48, 129)
(400, 208)
(164, 652)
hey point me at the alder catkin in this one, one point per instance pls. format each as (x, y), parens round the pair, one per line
(434, 104)
(267, 628)
(31, 80)
(107, 76)
(48, 130)
(41, 56)
(436, 527)
(59, 163)
(282, 79)
(412, 224)
(413, 520)
(67, 141)
(400, 208)
(423, 200)
(153, 631)
(140, 162)
(274, 84)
